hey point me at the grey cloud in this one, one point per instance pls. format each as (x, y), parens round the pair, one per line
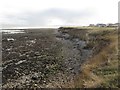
(41, 18)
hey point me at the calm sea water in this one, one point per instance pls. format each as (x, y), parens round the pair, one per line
(12, 31)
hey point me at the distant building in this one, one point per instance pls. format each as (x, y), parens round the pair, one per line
(112, 25)
(101, 25)
(91, 25)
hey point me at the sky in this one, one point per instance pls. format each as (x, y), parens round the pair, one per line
(55, 13)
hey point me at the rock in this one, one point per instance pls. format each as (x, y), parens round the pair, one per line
(10, 39)
(34, 78)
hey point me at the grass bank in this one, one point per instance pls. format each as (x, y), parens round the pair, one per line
(101, 69)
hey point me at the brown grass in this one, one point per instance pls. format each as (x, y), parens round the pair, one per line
(89, 79)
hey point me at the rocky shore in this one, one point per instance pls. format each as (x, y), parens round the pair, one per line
(41, 58)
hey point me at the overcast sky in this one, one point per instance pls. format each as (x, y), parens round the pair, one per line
(52, 13)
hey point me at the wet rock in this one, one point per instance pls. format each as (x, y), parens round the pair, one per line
(10, 39)
(34, 78)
